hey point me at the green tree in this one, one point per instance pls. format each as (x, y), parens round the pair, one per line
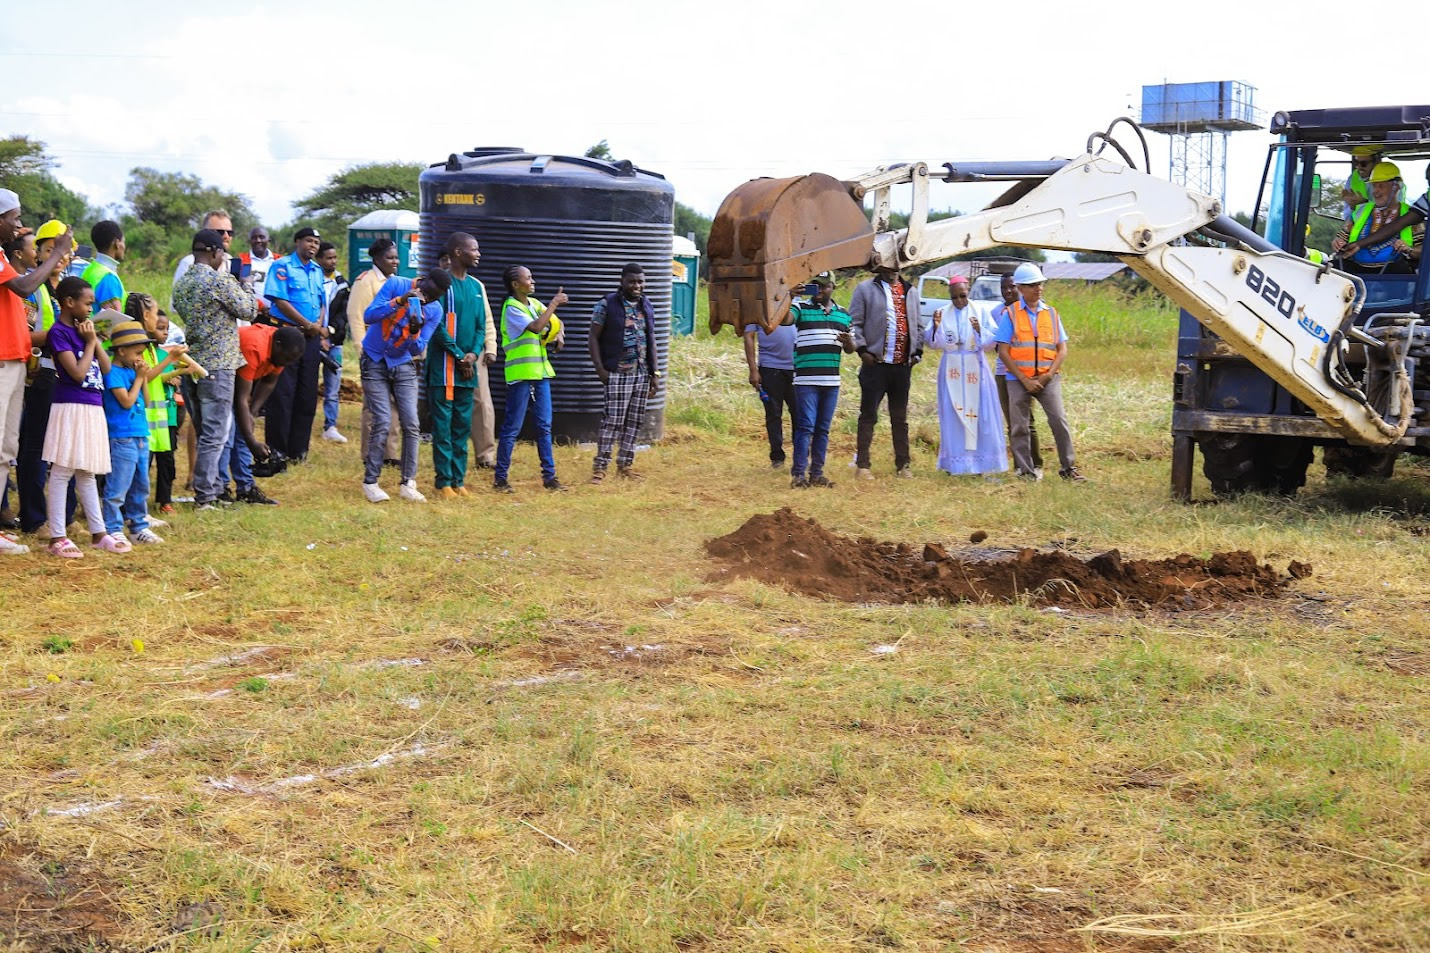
(690, 222)
(601, 150)
(352, 193)
(167, 209)
(25, 167)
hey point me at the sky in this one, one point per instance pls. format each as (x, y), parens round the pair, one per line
(269, 99)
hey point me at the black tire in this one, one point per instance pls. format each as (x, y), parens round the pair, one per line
(1236, 463)
(1361, 463)
(1281, 463)
(1229, 462)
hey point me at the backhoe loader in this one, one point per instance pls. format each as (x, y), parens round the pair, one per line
(1294, 320)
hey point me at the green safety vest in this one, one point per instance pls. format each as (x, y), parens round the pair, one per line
(156, 405)
(94, 273)
(1362, 218)
(526, 356)
(1358, 185)
(47, 307)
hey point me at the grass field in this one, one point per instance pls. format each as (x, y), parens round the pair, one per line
(535, 723)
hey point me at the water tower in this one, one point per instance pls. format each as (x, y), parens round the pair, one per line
(1199, 117)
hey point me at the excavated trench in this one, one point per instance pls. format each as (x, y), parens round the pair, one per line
(800, 554)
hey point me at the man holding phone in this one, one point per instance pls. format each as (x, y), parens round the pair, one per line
(400, 321)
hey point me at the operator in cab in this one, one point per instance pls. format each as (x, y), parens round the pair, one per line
(1357, 190)
(1412, 218)
(1397, 252)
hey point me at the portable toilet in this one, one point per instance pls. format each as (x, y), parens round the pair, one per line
(400, 225)
(685, 279)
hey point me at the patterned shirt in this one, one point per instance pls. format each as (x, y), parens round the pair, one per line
(901, 325)
(211, 304)
(633, 343)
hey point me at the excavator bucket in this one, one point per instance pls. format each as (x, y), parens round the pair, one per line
(773, 235)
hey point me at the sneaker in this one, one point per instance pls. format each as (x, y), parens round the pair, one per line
(486, 465)
(1030, 477)
(256, 496)
(905, 473)
(1073, 474)
(113, 543)
(147, 536)
(374, 493)
(460, 491)
(777, 464)
(332, 434)
(8, 547)
(864, 473)
(799, 483)
(626, 473)
(501, 486)
(424, 438)
(446, 493)
(821, 481)
(554, 485)
(598, 477)
(210, 506)
(392, 462)
(227, 497)
(409, 492)
(154, 521)
(66, 548)
(167, 509)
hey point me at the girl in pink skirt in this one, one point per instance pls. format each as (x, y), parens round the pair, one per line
(77, 439)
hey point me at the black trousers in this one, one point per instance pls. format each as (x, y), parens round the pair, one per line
(31, 471)
(877, 381)
(779, 389)
(289, 413)
(166, 471)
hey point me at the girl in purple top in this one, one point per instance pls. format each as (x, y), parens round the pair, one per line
(77, 438)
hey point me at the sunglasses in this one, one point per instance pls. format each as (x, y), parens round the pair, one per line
(223, 231)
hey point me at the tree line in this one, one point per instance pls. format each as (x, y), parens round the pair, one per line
(161, 210)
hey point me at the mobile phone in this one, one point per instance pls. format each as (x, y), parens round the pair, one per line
(810, 289)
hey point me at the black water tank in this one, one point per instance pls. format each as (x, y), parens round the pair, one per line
(574, 222)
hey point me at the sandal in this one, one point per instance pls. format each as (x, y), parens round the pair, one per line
(114, 543)
(66, 548)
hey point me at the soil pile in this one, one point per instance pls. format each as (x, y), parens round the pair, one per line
(787, 548)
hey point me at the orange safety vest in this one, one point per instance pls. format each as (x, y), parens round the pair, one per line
(1033, 349)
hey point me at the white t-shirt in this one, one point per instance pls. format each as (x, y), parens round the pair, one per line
(259, 271)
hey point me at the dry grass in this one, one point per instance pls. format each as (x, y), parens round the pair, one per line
(427, 732)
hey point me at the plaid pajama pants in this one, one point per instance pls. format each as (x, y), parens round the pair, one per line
(626, 399)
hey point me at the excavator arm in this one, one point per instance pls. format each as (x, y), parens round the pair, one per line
(1288, 316)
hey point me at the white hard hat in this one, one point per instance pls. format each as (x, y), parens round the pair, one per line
(1028, 274)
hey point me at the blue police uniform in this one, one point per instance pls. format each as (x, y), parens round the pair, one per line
(299, 284)
(288, 423)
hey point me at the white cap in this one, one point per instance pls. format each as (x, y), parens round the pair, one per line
(8, 201)
(1028, 274)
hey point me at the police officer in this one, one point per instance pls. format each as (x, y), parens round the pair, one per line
(294, 289)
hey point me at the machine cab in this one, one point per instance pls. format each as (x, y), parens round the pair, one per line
(1301, 193)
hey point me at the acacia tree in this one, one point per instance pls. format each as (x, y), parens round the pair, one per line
(355, 191)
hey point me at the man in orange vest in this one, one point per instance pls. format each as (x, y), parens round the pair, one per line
(1033, 345)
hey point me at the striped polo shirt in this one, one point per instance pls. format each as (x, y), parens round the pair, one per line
(816, 343)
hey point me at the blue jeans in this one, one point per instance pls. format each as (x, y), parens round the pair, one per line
(332, 384)
(214, 416)
(240, 458)
(518, 395)
(377, 378)
(126, 488)
(813, 413)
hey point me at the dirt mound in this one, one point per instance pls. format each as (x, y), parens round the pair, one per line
(787, 548)
(350, 391)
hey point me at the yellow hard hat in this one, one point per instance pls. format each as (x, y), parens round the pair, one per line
(552, 329)
(1362, 151)
(54, 228)
(1384, 172)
